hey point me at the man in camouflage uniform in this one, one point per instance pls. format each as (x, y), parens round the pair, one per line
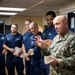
(62, 49)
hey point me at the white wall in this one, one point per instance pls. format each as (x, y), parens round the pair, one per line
(70, 7)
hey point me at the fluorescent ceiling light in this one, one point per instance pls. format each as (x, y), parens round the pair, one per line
(7, 13)
(12, 9)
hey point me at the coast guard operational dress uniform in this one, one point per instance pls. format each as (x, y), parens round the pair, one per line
(36, 58)
(48, 33)
(26, 42)
(2, 56)
(12, 41)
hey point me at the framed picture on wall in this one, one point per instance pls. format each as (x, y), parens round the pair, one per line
(71, 21)
(1, 26)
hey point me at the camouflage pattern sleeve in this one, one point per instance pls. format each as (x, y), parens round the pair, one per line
(64, 50)
(45, 51)
(69, 61)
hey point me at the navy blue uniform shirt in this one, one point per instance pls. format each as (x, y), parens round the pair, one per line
(49, 33)
(35, 59)
(12, 41)
(26, 40)
(2, 37)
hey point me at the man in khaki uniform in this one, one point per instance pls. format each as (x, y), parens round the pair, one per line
(62, 49)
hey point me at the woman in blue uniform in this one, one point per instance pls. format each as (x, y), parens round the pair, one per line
(12, 40)
(48, 34)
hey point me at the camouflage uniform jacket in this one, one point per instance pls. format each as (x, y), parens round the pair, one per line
(63, 49)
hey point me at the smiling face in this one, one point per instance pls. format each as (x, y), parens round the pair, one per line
(33, 28)
(49, 19)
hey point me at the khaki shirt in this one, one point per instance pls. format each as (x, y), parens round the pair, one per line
(63, 49)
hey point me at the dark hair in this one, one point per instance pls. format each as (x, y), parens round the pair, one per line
(15, 25)
(51, 13)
